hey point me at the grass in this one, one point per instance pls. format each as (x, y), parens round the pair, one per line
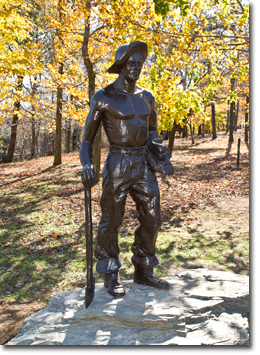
(42, 233)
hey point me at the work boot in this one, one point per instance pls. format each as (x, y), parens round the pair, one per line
(112, 283)
(145, 276)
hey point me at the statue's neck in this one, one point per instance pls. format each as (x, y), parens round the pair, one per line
(121, 84)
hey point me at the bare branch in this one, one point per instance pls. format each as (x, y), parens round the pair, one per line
(97, 29)
(241, 5)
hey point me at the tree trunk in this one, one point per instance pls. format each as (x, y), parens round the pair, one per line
(228, 118)
(185, 132)
(203, 129)
(45, 143)
(235, 119)
(246, 119)
(172, 136)
(17, 105)
(21, 157)
(191, 133)
(68, 135)
(37, 129)
(231, 123)
(213, 120)
(33, 146)
(75, 138)
(57, 154)
(91, 78)
(237, 112)
(232, 114)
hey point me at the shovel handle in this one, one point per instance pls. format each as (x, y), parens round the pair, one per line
(89, 244)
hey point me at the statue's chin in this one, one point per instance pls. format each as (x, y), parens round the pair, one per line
(133, 78)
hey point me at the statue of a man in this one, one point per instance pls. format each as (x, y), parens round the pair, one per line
(129, 119)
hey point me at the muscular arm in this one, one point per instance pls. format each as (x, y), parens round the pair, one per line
(153, 134)
(92, 123)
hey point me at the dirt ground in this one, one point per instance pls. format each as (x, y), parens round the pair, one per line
(12, 317)
(229, 216)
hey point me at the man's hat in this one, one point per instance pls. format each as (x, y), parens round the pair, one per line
(124, 52)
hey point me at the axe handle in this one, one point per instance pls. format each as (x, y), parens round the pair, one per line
(89, 238)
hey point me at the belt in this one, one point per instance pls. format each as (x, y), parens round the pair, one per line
(128, 150)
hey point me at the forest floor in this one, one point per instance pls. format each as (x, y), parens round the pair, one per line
(204, 206)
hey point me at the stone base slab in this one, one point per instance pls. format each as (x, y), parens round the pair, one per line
(202, 307)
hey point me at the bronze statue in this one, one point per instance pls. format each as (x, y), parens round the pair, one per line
(129, 119)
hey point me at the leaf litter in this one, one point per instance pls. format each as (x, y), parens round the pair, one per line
(204, 207)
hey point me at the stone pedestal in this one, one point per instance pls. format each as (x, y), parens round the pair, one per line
(202, 307)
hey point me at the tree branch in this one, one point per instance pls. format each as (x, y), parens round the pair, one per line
(97, 29)
(241, 5)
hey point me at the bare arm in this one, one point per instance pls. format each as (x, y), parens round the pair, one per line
(92, 124)
(153, 142)
(153, 134)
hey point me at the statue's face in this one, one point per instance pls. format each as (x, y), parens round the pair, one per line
(132, 69)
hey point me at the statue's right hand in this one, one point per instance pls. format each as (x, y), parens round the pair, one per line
(88, 176)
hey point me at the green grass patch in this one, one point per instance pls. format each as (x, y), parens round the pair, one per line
(42, 237)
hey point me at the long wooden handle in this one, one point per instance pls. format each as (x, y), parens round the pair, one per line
(89, 237)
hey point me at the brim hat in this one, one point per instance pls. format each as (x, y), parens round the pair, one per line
(124, 52)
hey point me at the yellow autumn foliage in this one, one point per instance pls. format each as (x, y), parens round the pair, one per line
(189, 59)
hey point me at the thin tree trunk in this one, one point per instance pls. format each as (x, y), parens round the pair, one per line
(203, 129)
(237, 112)
(22, 149)
(74, 139)
(68, 135)
(246, 119)
(191, 133)
(232, 113)
(172, 136)
(45, 144)
(33, 144)
(228, 118)
(91, 78)
(213, 120)
(17, 105)
(185, 132)
(37, 130)
(57, 154)
(235, 119)
(189, 116)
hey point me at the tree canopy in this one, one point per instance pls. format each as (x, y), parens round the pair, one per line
(54, 54)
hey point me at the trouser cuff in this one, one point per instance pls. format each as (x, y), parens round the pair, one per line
(146, 261)
(108, 265)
